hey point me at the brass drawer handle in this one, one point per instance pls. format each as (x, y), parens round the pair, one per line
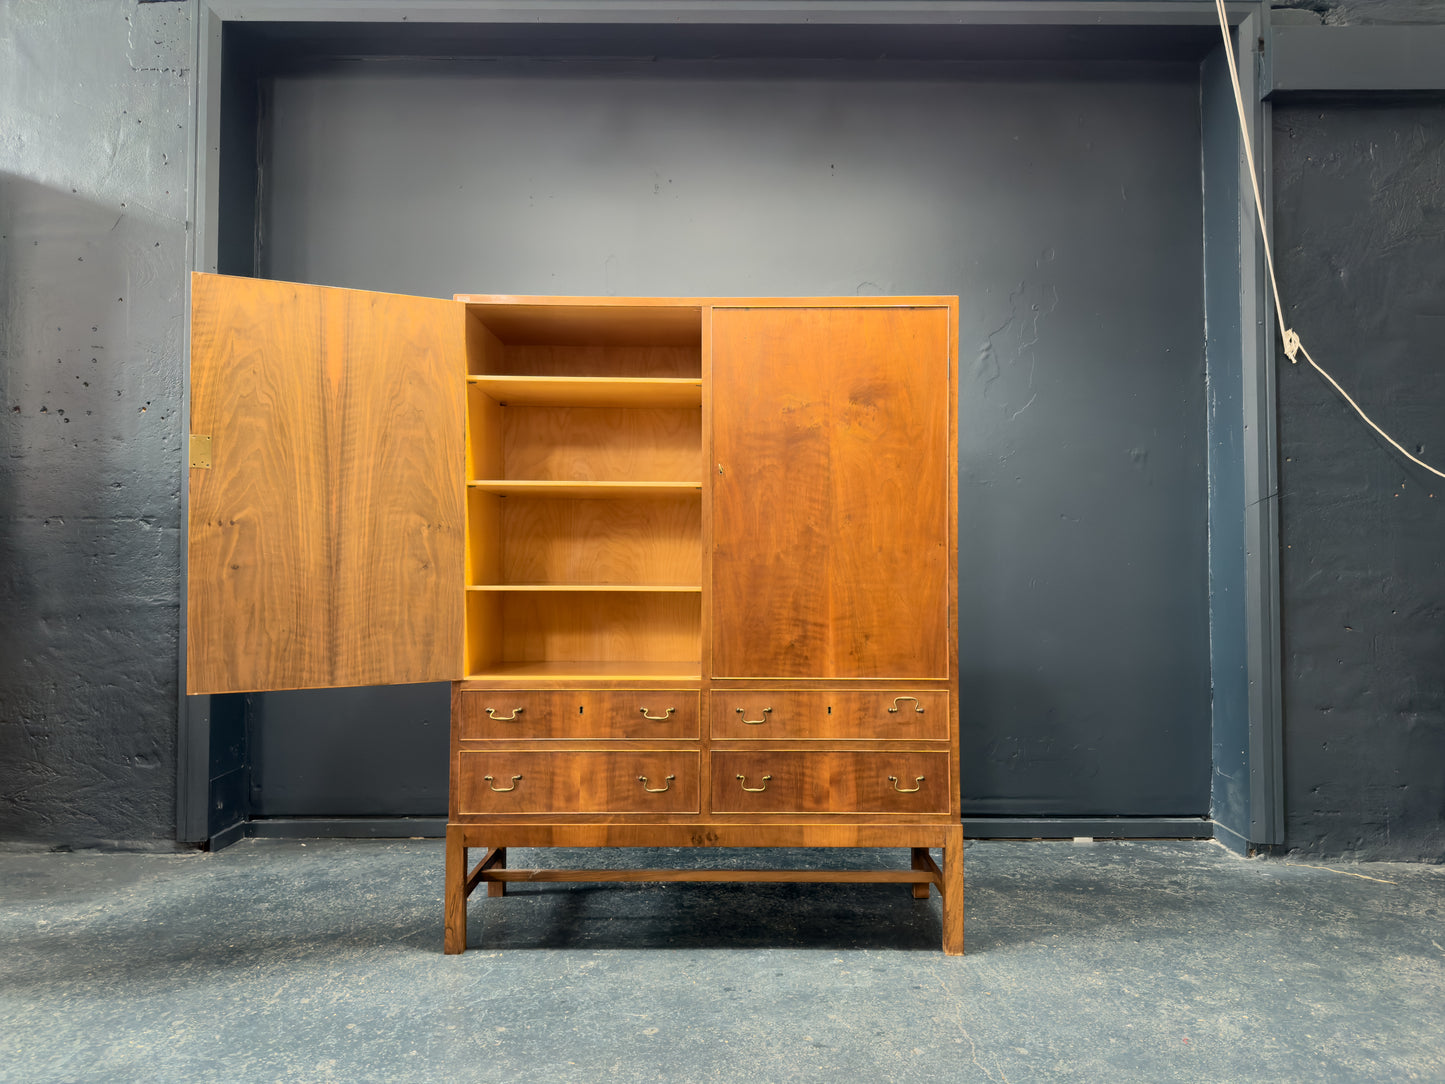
(656, 718)
(916, 705)
(492, 714)
(666, 784)
(755, 722)
(753, 790)
(906, 790)
(501, 790)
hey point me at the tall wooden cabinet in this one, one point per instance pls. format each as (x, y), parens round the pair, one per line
(690, 564)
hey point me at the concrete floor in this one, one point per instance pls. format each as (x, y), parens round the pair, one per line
(321, 961)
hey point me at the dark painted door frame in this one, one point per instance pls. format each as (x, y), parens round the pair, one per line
(212, 763)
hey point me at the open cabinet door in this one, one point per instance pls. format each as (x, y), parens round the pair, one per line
(327, 532)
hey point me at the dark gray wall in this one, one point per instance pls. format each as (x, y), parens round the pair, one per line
(1061, 203)
(1369, 12)
(1228, 601)
(368, 752)
(1360, 227)
(94, 125)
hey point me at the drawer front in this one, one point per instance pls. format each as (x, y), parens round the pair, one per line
(824, 714)
(514, 715)
(803, 781)
(644, 713)
(565, 781)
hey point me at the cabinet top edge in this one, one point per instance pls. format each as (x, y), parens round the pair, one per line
(638, 302)
(524, 683)
(837, 301)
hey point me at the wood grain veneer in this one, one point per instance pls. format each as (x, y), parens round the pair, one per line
(326, 540)
(576, 714)
(830, 550)
(832, 714)
(588, 322)
(593, 671)
(586, 444)
(562, 626)
(554, 782)
(830, 782)
(590, 391)
(587, 490)
(553, 540)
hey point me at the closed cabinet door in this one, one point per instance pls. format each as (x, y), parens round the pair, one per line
(830, 491)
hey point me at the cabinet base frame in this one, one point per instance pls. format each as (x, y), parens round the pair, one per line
(462, 879)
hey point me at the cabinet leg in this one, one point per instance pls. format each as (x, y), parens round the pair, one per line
(498, 888)
(920, 861)
(454, 939)
(953, 890)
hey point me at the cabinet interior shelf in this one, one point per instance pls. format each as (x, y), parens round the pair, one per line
(682, 588)
(639, 669)
(584, 489)
(591, 391)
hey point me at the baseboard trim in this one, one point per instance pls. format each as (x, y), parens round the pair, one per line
(1093, 827)
(347, 827)
(226, 836)
(973, 828)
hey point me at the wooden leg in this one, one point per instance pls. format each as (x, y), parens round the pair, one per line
(498, 888)
(454, 940)
(920, 861)
(953, 890)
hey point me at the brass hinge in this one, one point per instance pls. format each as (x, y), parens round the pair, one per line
(200, 451)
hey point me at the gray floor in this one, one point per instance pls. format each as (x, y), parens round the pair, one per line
(322, 961)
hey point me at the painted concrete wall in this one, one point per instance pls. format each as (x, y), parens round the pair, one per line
(1370, 12)
(94, 123)
(1360, 237)
(1360, 224)
(1229, 614)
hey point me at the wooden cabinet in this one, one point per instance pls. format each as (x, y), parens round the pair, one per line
(690, 563)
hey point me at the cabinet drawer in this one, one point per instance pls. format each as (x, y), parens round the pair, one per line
(825, 714)
(513, 715)
(645, 781)
(801, 781)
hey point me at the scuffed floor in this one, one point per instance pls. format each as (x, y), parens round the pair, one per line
(321, 961)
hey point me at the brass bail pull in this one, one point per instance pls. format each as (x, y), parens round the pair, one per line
(755, 722)
(656, 718)
(753, 790)
(917, 707)
(918, 785)
(501, 790)
(492, 714)
(666, 784)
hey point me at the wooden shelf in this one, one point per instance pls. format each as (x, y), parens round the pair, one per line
(585, 489)
(631, 669)
(590, 322)
(584, 391)
(683, 588)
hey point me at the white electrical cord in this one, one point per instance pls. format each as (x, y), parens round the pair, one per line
(1292, 345)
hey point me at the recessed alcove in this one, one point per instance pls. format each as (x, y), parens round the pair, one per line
(1075, 185)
